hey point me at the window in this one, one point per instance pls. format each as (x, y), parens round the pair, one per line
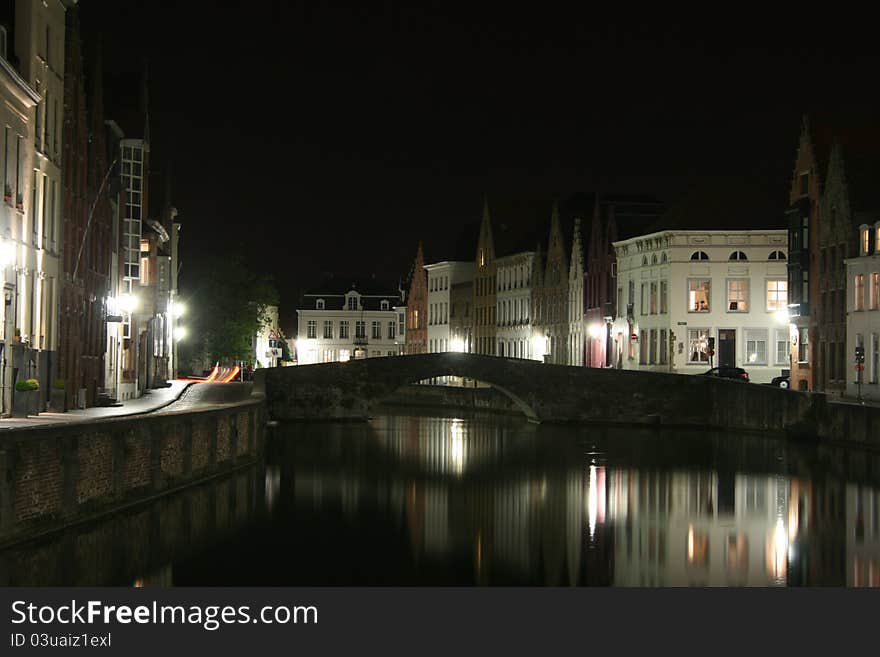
(663, 259)
(644, 261)
(877, 239)
(875, 290)
(383, 305)
(360, 329)
(392, 327)
(352, 303)
(777, 295)
(145, 262)
(654, 259)
(859, 301)
(782, 351)
(698, 345)
(699, 255)
(737, 255)
(644, 304)
(663, 347)
(804, 183)
(643, 348)
(756, 347)
(779, 255)
(803, 344)
(312, 329)
(652, 349)
(653, 298)
(738, 295)
(3, 42)
(319, 304)
(377, 330)
(664, 296)
(866, 240)
(343, 329)
(698, 295)
(328, 330)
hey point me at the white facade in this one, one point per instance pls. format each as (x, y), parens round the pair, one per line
(400, 340)
(342, 327)
(513, 311)
(267, 352)
(441, 277)
(576, 324)
(863, 315)
(679, 289)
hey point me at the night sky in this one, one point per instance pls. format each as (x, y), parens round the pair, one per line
(327, 138)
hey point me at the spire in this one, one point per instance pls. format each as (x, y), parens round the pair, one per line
(486, 242)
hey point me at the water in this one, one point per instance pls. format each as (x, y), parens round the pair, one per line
(490, 500)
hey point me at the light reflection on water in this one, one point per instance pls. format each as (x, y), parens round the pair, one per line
(489, 500)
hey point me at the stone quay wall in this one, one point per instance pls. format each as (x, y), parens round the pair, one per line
(54, 475)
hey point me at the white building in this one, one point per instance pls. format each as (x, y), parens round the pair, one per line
(400, 340)
(679, 290)
(267, 351)
(513, 299)
(863, 314)
(441, 277)
(345, 325)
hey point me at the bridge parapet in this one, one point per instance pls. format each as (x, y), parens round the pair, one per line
(560, 393)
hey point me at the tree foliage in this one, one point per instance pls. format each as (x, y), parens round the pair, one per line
(229, 308)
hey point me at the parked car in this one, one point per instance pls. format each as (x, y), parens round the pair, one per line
(735, 373)
(781, 381)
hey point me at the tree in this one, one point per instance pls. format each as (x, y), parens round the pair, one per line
(229, 309)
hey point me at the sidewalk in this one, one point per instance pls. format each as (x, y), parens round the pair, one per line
(152, 400)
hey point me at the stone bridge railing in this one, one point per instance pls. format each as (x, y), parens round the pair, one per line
(559, 393)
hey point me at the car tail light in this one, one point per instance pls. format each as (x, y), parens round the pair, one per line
(744, 375)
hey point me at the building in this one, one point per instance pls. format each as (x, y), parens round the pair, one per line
(684, 288)
(417, 307)
(803, 248)
(551, 319)
(32, 62)
(401, 327)
(863, 314)
(577, 340)
(341, 324)
(514, 305)
(87, 234)
(613, 217)
(461, 316)
(442, 277)
(484, 287)
(267, 349)
(849, 199)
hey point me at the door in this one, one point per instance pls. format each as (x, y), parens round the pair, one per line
(726, 347)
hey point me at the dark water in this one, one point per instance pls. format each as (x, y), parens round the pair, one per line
(493, 501)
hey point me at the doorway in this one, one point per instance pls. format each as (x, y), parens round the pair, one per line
(726, 347)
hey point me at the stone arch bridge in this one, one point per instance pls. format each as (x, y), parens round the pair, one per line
(554, 393)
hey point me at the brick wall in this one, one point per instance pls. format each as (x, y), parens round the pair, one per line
(52, 476)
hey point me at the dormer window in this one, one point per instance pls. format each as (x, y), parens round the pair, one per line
(804, 183)
(384, 304)
(877, 237)
(737, 255)
(352, 302)
(319, 304)
(866, 239)
(776, 255)
(699, 255)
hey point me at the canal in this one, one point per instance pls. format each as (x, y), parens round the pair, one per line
(428, 499)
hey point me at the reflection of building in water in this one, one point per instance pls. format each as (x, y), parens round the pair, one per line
(862, 536)
(698, 529)
(273, 485)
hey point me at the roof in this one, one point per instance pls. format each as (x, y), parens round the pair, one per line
(341, 285)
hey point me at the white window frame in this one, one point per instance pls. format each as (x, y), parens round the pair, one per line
(708, 294)
(755, 335)
(748, 295)
(784, 304)
(699, 361)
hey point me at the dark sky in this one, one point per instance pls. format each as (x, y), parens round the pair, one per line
(329, 138)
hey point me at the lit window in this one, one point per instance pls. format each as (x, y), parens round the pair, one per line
(875, 290)
(756, 347)
(145, 262)
(803, 344)
(698, 295)
(699, 255)
(860, 292)
(738, 295)
(866, 241)
(777, 295)
(698, 346)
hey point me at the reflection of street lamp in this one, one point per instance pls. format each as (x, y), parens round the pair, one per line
(180, 333)
(128, 303)
(595, 331)
(539, 346)
(456, 345)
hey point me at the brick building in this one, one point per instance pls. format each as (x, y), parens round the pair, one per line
(417, 307)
